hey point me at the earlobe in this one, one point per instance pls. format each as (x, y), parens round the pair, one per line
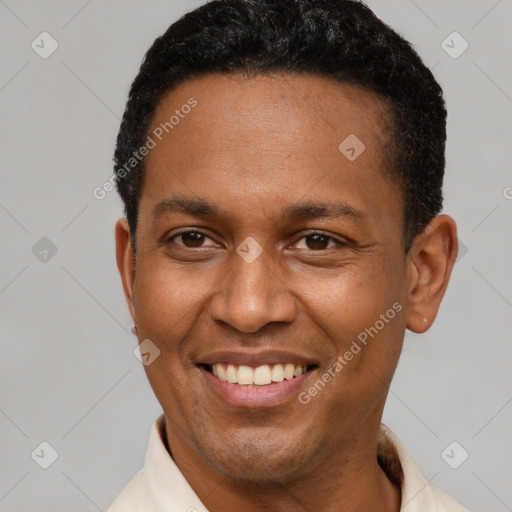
(431, 259)
(125, 261)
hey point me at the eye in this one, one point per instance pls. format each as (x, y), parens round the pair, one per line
(191, 239)
(318, 242)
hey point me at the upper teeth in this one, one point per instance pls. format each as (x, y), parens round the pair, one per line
(260, 376)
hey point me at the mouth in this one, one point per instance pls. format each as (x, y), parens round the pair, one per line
(264, 375)
(265, 385)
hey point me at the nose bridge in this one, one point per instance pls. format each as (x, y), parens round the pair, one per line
(252, 294)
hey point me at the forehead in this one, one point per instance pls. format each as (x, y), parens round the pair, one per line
(270, 105)
(261, 138)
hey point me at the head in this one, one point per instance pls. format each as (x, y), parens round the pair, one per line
(285, 210)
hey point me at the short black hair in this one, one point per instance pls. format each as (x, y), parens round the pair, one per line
(337, 39)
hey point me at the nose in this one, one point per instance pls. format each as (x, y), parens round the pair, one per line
(252, 295)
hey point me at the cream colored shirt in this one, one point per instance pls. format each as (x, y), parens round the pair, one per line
(161, 487)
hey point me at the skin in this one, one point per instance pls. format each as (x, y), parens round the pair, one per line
(255, 146)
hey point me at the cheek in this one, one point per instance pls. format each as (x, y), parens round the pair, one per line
(168, 303)
(362, 311)
(355, 297)
(168, 300)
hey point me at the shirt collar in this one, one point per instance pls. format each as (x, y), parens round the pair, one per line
(166, 482)
(416, 490)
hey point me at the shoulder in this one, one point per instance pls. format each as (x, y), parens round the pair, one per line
(444, 502)
(134, 497)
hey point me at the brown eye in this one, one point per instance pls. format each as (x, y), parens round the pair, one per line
(191, 239)
(317, 242)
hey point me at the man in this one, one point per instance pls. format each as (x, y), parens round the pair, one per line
(281, 165)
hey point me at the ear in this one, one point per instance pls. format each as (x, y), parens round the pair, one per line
(125, 261)
(430, 262)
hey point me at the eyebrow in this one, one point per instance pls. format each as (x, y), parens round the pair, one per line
(198, 207)
(312, 210)
(302, 210)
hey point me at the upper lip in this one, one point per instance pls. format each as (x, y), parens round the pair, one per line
(256, 358)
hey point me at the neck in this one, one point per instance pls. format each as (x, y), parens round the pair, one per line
(347, 478)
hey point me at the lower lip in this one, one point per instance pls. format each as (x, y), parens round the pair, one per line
(255, 396)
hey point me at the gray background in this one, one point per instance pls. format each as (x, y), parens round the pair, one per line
(68, 373)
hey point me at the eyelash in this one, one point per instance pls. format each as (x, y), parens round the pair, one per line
(338, 243)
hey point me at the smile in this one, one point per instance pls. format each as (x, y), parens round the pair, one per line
(265, 385)
(256, 376)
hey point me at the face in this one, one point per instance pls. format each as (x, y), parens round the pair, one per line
(266, 254)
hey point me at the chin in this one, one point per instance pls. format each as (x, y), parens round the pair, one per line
(256, 458)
